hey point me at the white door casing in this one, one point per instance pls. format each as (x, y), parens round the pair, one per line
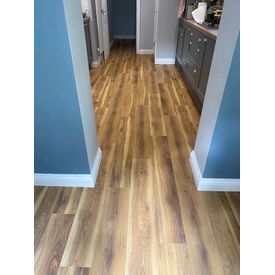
(103, 27)
(155, 24)
(137, 26)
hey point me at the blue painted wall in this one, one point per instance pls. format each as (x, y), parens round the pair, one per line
(123, 17)
(223, 160)
(59, 143)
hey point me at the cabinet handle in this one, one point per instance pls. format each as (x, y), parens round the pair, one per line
(204, 39)
(198, 50)
(195, 71)
(187, 61)
(190, 43)
(199, 39)
(191, 33)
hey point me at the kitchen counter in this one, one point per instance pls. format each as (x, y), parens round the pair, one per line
(212, 33)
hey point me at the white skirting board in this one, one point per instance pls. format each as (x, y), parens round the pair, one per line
(165, 61)
(212, 184)
(70, 180)
(124, 36)
(145, 51)
(95, 64)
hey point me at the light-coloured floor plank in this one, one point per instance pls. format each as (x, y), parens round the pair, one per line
(51, 247)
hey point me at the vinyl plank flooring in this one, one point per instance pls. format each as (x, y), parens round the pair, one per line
(111, 240)
(73, 202)
(51, 248)
(62, 200)
(43, 213)
(39, 192)
(169, 201)
(83, 232)
(142, 147)
(144, 216)
(73, 271)
(139, 240)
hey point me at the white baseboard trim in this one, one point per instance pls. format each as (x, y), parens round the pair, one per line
(212, 184)
(65, 180)
(96, 165)
(95, 64)
(145, 51)
(165, 61)
(124, 36)
(70, 180)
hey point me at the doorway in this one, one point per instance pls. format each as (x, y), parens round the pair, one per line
(116, 20)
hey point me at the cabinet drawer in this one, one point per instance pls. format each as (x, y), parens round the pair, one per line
(205, 68)
(196, 50)
(181, 22)
(180, 44)
(193, 71)
(195, 36)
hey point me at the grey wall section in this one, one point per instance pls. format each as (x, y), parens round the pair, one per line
(147, 10)
(223, 160)
(166, 29)
(123, 19)
(59, 144)
(110, 19)
(81, 73)
(224, 49)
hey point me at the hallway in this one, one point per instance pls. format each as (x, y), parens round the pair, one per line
(144, 216)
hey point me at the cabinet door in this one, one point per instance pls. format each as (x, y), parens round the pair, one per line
(185, 49)
(180, 44)
(88, 42)
(205, 68)
(193, 71)
(196, 48)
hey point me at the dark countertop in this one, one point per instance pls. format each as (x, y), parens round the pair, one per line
(212, 33)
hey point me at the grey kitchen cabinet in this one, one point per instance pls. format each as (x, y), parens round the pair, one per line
(205, 68)
(193, 71)
(185, 49)
(180, 43)
(193, 59)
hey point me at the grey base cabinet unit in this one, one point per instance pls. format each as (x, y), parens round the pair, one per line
(194, 54)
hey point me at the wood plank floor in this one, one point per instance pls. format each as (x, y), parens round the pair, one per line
(144, 216)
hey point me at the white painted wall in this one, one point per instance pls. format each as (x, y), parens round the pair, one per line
(76, 34)
(85, 5)
(224, 49)
(145, 26)
(166, 32)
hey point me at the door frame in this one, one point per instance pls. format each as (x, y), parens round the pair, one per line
(100, 27)
(138, 27)
(156, 13)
